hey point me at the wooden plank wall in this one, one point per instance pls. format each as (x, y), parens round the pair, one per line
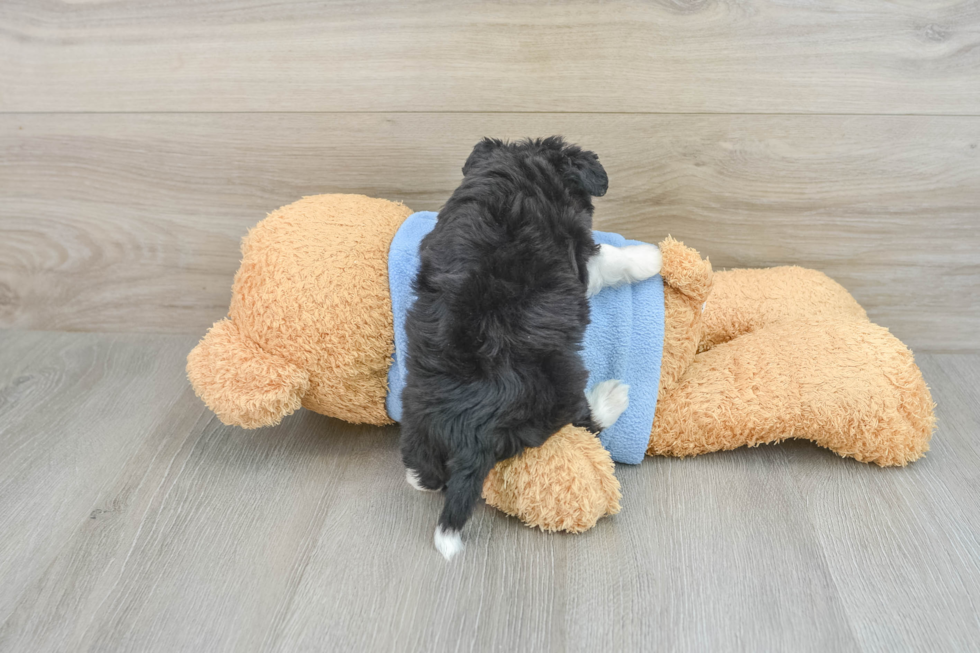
(139, 140)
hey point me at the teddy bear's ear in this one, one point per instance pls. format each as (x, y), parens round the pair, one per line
(481, 152)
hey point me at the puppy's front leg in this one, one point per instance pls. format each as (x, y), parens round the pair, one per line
(613, 266)
(607, 401)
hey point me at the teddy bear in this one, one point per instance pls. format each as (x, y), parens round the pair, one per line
(748, 356)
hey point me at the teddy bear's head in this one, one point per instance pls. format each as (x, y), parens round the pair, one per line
(310, 320)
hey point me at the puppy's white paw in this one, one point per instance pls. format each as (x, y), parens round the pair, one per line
(604, 269)
(448, 542)
(612, 266)
(643, 261)
(413, 480)
(608, 400)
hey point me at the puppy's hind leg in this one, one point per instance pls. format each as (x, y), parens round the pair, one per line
(424, 469)
(423, 474)
(467, 474)
(613, 266)
(413, 478)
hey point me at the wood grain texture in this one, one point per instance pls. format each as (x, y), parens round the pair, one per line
(75, 410)
(155, 528)
(918, 527)
(784, 56)
(132, 222)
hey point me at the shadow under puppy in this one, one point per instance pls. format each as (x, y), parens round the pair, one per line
(495, 334)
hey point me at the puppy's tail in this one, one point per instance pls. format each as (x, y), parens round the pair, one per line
(466, 476)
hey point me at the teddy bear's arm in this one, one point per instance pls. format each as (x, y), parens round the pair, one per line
(688, 280)
(566, 484)
(243, 384)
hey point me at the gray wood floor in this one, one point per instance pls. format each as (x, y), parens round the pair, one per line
(131, 519)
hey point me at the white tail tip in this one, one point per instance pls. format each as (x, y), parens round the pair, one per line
(448, 542)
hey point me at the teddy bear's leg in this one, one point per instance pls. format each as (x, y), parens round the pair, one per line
(566, 484)
(847, 385)
(244, 385)
(742, 301)
(613, 266)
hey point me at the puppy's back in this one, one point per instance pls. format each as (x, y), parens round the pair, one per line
(493, 363)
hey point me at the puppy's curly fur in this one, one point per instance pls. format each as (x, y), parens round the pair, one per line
(495, 334)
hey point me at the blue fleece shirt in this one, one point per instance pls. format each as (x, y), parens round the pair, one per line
(624, 339)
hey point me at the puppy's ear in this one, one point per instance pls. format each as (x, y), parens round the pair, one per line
(587, 170)
(480, 152)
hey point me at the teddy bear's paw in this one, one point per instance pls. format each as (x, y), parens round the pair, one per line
(685, 271)
(566, 484)
(608, 400)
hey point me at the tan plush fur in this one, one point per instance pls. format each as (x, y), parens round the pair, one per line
(310, 320)
(687, 283)
(567, 484)
(745, 300)
(244, 385)
(787, 353)
(750, 356)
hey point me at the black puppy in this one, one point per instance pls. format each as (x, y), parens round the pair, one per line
(495, 332)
